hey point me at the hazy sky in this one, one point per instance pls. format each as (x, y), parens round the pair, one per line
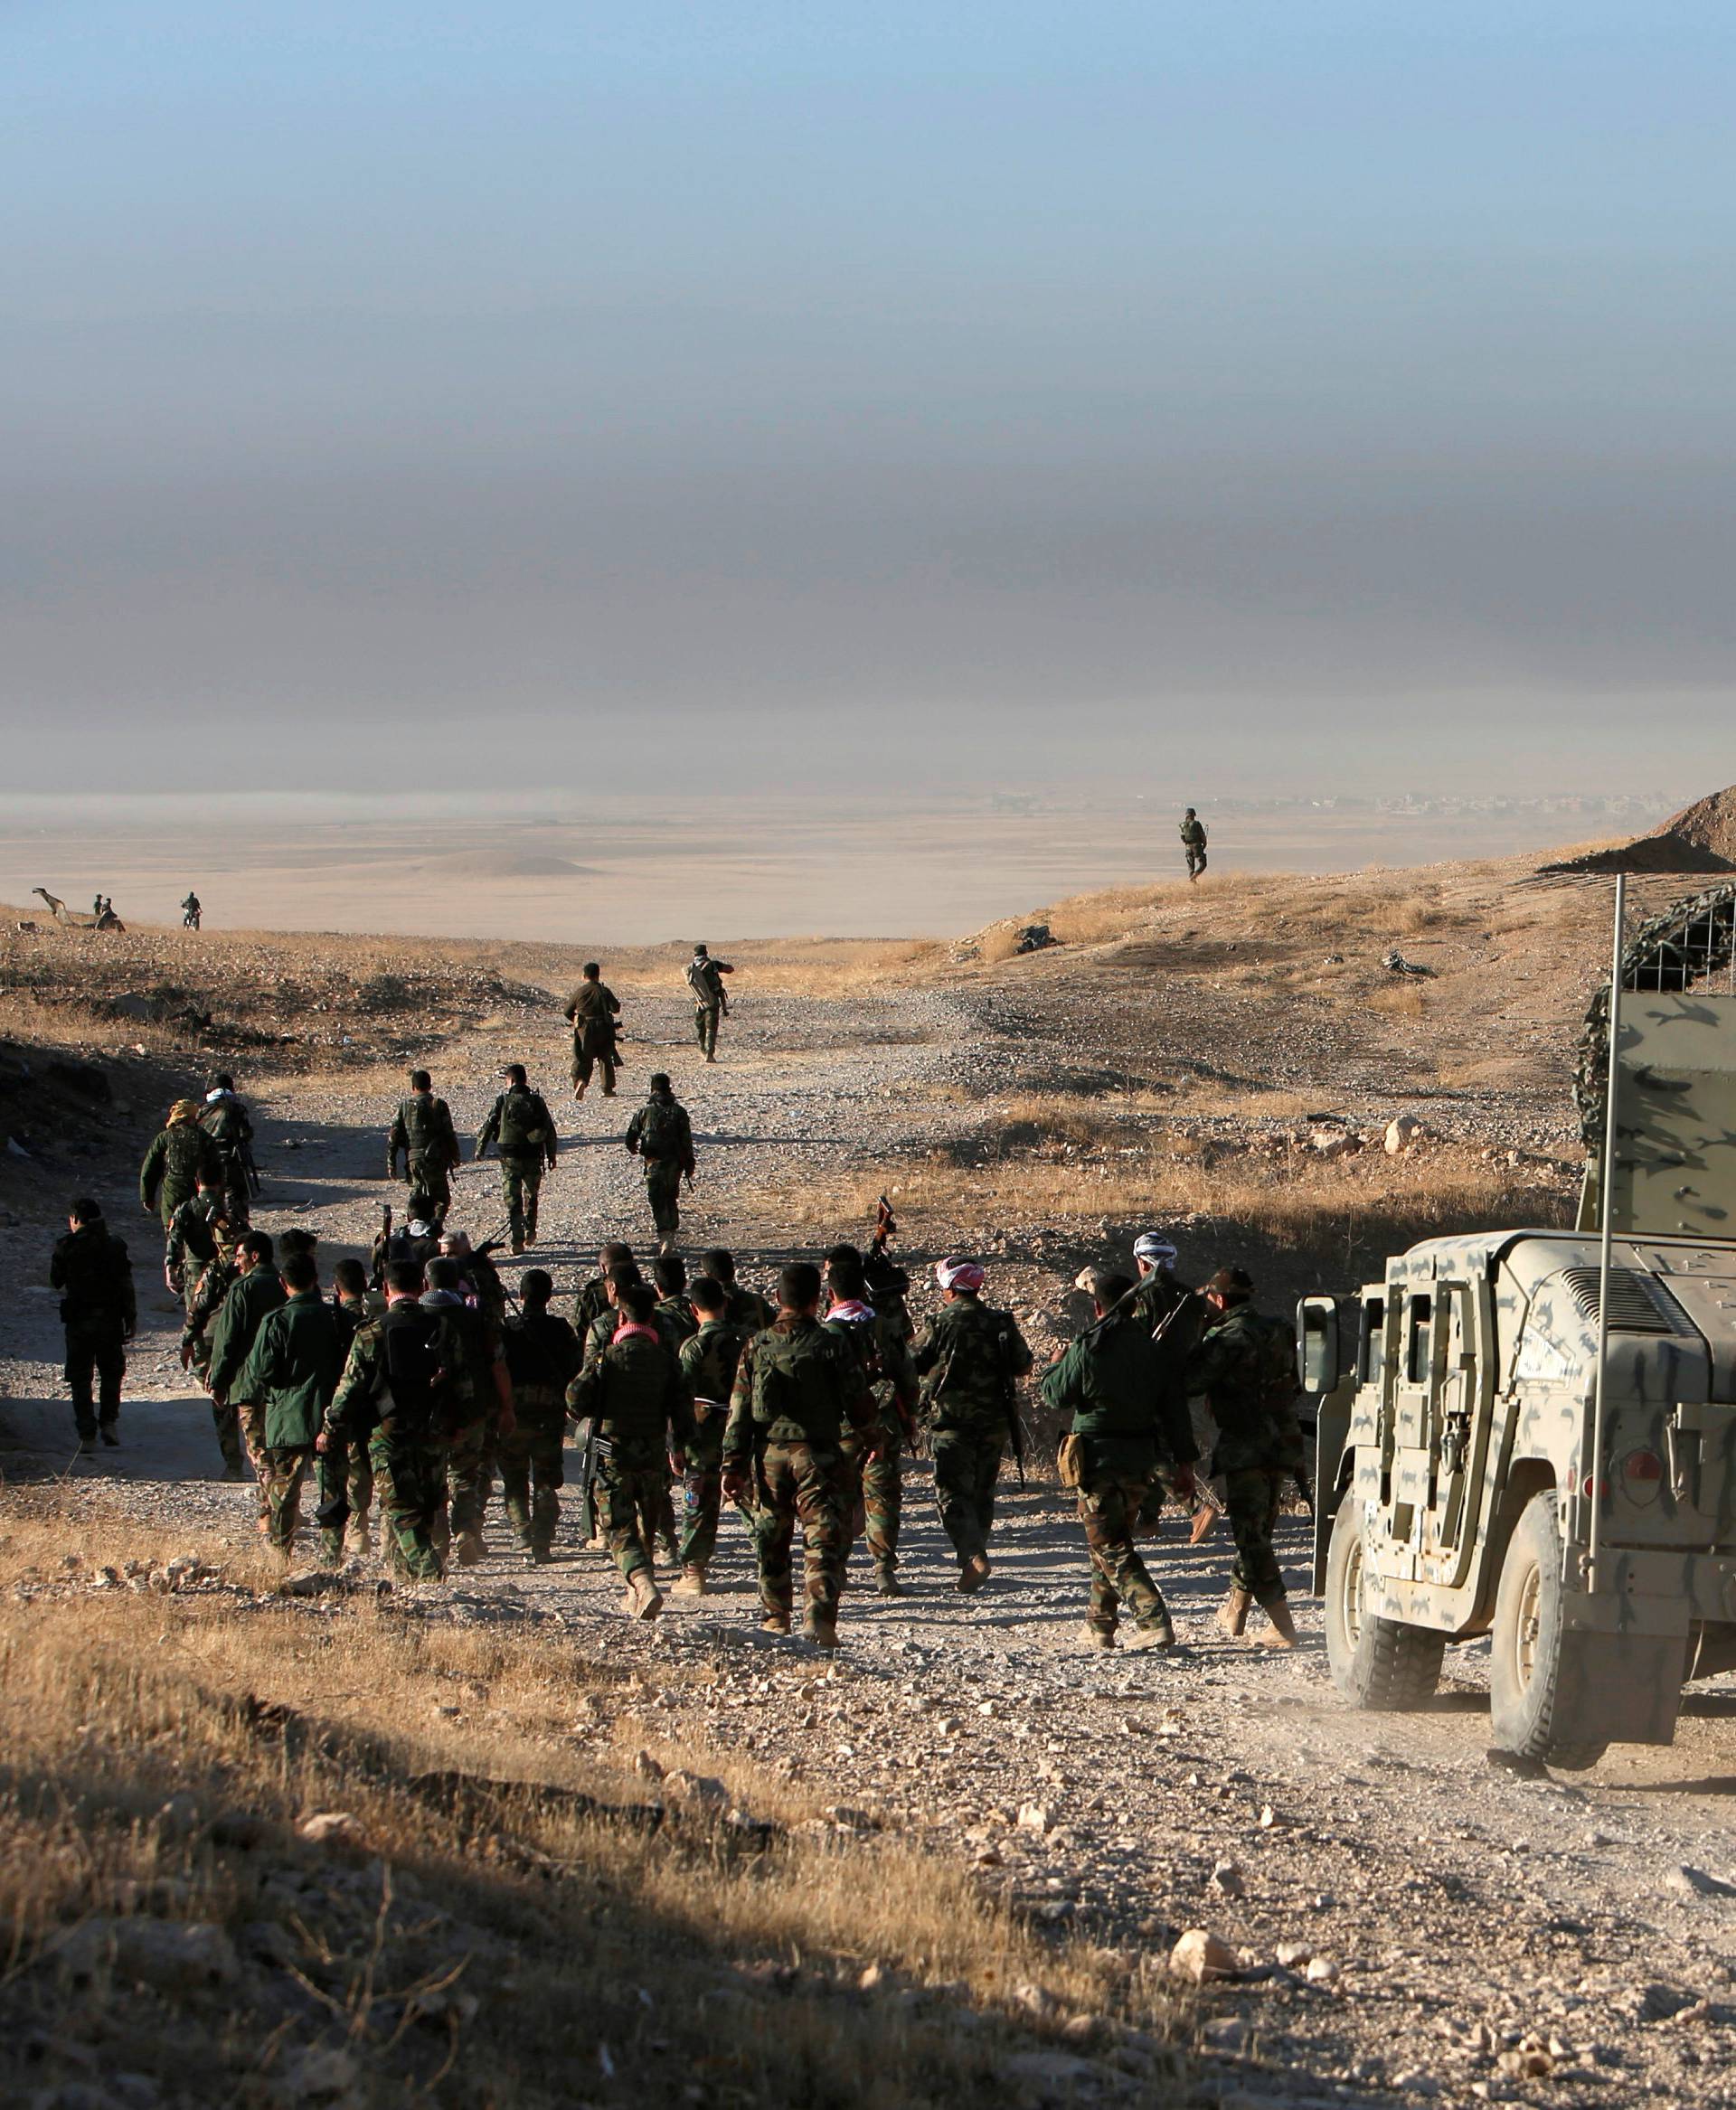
(1255, 395)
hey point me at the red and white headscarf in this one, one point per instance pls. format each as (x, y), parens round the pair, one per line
(964, 1275)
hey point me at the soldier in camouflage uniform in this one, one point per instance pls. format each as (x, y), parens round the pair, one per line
(386, 1398)
(709, 1358)
(593, 1009)
(344, 1470)
(635, 1398)
(225, 1119)
(1194, 844)
(675, 1314)
(623, 1275)
(1125, 1422)
(179, 1152)
(205, 1296)
(479, 1282)
(1173, 1313)
(423, 1136)
(592, 1300)
(662, 1137)
(99, 1312)
(541, 1360)
(192, 1242)
(292, 1370)
(711, 999)
(873, 1457)
(1245, 1365)
(521, 1124)
(742, 1306)
(255, 1291)
(475, 1400)
(798, 1388)
(970, 1359)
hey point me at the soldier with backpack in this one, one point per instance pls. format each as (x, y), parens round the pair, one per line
(874, 1457)
(541, 1360)
(708, 1365)
(179, 1152)
(798, 1388)
(969, 1360)
(386, 1398)
(520, 1122)
(474, 1402)
(711, 999)
(1245, 1365)
(99, 1310)
(662, 1137)
(226, 1121)
(423, 1134)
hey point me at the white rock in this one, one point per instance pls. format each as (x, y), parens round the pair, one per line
(1404, 1133)
(331, 1828)
(1199, 1955)
(1226, 1879)
(703, 1788)
(1293, 1956)
(1322, 1971)
(1036, 1817)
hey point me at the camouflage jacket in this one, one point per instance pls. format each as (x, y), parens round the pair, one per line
(388, 1380)
(636, 1397)
(91, 1269)
(1245, 1365)
(214, 1284)
(172, 1166)
(521, 1121)
(250, 1297)
(191, 1236)
(1112, 1382)
(661, 1133)
(473, 1384)
(709, 1359)
(747, 1308)
(797, 1382)
(676, 1314)
(421, 1128)
(1193, 834)
(968, 1357)
(601, 1332)
(589, 1305)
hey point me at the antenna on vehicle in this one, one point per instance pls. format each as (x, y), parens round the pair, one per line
(1606, 1239)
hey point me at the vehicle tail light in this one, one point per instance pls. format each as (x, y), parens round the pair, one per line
(1642, 1466)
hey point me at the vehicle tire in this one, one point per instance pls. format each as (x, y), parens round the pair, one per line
(1381, 1665)
(1526, 1646)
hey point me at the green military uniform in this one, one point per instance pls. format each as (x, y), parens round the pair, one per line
(748, 1309)
(1194, 845)
(423, 1136)
(473, 1391)
(970, 1359)
(708, 1364)
(662, 1137)
(674, 1316)
(600, 1333)
(231, 1129)
(204, 1301)
(594, 1008)
(541, 1360)
(1166, 1304)
(874, 1487)
(797, 1387)
(245, 1305)
(386, 1397)
(521, 1124)
(170, 1173)
(635, 1398)
(292, 1370)
(192, 1244)
(343, 1471)
(589, 1305)
(99, 1310)
(710, 1000)
(1112, 1382)
(1245, 1365)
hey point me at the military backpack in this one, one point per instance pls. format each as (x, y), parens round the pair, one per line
(660, 1130)
(524, 1125)
(799, 1380)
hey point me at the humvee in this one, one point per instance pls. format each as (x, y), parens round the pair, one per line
(1532, 1433)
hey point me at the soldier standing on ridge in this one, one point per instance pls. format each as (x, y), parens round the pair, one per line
(711, 999)
(524, 1128)
(91, 1269)
(661, 1136)
(593, 1009)
(424, 1135)
(1194, 844)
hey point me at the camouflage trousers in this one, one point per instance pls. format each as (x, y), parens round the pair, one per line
(663, 1191)
(283, 1470)
(96, 1362)
(520, 1185)
(705, 1018)
(428, 1179)
(967, 1466)
(629, 1499)
(701, 1486)
(469, 1455)
(251, 1415)
(805, 1483)
(345, 1475)
(1109, 1504)
(227, 1421)
(238, 1195)
(409, 1479)
(532, 1459)
(874, 1491)
(1252, 1496)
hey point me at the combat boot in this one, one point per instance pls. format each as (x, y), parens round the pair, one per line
(775, 1623)
(886, 1580)
(1283, 1634)
(974, 1573)
(642, 1599)
(1157, 1631)
(1098, 1636)
(105, 1430)
(691, 1582)
(822, 1633)
(1232, 1613)
(357, 1539)
(468, 1547)
(1204, 1517)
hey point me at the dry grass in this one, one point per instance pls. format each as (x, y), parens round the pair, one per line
(159, 1751)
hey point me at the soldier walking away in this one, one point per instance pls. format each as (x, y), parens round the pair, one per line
(523, 1128)
(225, 1119)
(674, 1315)
(708, 1364)
(742, 1306)
(1194, 844)
(204, 1301)
(592, 1009)
(386, 1398)
(99, 1310)
(1245, 1365)
(474, 1408)
(798, 1388)
(292, 1371)
(970, 1359)
(662, 1137)
(1173, 1313)
(542, 1361)
(1125, 1423)
(635, 1399)
(874, 1458)
(180, 1152)
(191, 1243)
(423, 1136)
(593, 1300)
(191, 910)
(255, 1291)
(344, 1470)
(711, 999)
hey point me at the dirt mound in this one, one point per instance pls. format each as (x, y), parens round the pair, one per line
(1700, 838)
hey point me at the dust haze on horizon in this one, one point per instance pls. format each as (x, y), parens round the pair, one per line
(709, 402)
